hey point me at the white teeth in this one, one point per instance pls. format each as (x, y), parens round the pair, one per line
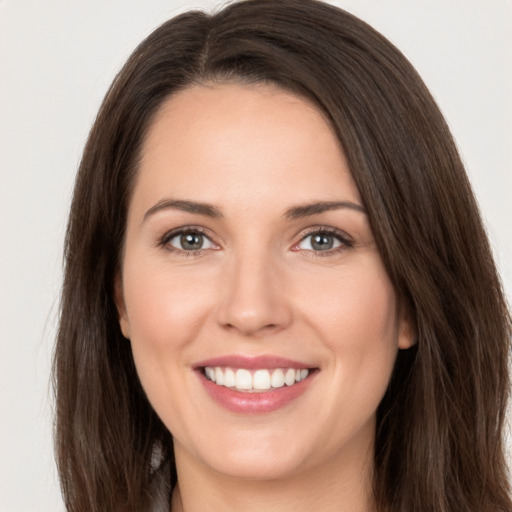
(210, 373)
(257, 380)
(289, 377)
(243, 379)
(229, 378)
(277, 380)
(261, 379)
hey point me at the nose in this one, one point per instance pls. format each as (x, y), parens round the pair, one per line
(253, 297)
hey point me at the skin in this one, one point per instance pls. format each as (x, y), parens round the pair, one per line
(258, 287)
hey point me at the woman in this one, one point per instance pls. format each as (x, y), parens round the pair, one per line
(278, 291)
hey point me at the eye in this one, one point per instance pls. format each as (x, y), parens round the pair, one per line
(324, 241)
(188, 241)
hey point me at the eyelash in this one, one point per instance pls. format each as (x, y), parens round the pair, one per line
(342, 238)
(345, 241)
(164, 241)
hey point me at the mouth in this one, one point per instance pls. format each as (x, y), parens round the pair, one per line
(247, 380)
(254, 385)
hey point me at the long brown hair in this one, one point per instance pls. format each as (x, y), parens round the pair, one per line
(439, 439)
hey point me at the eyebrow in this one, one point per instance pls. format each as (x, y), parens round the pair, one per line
(293, 213)
(306, 210)
(205, 209)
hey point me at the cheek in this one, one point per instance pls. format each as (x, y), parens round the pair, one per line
(164, 309)
(165, 312)
(357, 305)
(356, 319)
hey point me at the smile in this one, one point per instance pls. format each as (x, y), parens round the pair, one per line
(254, 381)
(255, 385)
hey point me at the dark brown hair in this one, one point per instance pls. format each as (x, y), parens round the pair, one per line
(439, 444)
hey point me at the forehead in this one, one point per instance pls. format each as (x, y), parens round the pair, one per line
(225, 143)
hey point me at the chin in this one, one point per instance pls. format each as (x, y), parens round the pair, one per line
(259, 458)
(259, 467)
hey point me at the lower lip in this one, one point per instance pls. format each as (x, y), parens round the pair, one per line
(258, 402)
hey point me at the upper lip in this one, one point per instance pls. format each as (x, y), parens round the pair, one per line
(252, 362)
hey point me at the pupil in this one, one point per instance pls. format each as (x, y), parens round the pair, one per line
(191, 241)
(322, 242)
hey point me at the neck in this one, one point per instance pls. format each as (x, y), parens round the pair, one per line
(342, 484)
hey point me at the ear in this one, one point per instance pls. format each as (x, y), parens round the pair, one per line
(121, 307)
(406, 328)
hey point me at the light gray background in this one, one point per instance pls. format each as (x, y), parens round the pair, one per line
(56, 60)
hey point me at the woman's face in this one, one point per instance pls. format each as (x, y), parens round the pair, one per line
(249, 260)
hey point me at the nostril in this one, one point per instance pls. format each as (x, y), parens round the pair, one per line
(247, 329)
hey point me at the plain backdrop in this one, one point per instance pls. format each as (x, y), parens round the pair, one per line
(57, 59)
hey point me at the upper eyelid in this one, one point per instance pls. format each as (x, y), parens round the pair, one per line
(324, 229)
(345, 240)
(171, 233)
(185, 229)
